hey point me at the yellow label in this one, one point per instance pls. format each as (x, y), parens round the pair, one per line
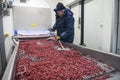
(6, 35)
(34, 25)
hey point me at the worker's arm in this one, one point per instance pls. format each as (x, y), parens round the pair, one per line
(55, 25)
(70, 28)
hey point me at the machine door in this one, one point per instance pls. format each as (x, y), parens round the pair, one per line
(77, 12)
(93, 26)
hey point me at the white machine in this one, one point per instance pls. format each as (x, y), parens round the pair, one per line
(31, 15)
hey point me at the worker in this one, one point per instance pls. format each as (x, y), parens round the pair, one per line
(64, 23)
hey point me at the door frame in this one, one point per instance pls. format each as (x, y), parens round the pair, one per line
(118, 29)
(115, 25)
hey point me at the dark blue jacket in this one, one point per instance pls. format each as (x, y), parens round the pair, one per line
(65, 26)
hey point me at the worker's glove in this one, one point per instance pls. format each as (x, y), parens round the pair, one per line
(57, 38)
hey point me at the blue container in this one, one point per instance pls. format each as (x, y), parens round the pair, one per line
(15, 33)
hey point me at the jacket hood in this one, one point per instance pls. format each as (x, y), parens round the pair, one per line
(67, 12)
(59, 7)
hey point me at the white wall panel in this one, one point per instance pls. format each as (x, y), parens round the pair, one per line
(77, 27)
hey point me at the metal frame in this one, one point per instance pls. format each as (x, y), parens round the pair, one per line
(118, 29)
(77, 1)
(9, 73)
(82, 23)
(115, 24)
(79, 17)
(30, 37)
(107, 58)
(2, 47)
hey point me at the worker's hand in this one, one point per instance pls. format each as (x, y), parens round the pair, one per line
(51, 38)
(57, 38)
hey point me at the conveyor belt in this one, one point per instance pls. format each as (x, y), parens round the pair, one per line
(108, 70)
(42, 52)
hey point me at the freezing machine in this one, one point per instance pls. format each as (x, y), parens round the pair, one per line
(31, 15)
(106, 58)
